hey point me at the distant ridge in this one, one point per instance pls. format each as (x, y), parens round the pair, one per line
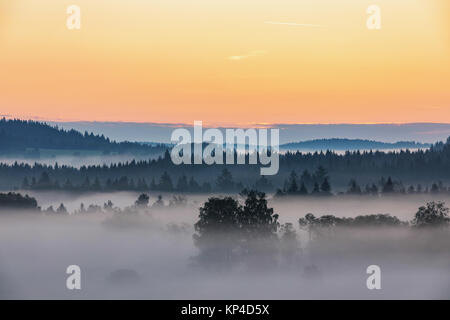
(29, 137)
(154, 132)
(351, 144)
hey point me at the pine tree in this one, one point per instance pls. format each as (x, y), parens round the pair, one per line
(388, 186)
(153, 184)
(325, 187)
(225, 181)
(165, 182)
(182, 184)
(193, 185)
(303, 190)
(25, 184)
(316, 189)
(292, 187)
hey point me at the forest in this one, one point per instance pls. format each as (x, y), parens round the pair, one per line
(27, 137)
(421, 169)
(351, 144)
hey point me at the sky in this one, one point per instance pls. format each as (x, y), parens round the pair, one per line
(227, 62)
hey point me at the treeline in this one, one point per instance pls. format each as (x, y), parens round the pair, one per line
(163, 184)
(433, 214)
(27, 137)
(16, 201)
(314, 184)
(318, 183)
(351, 144)
(141, 206)
(423, 167)
(228, 232)
(227, 214)
(12, 202)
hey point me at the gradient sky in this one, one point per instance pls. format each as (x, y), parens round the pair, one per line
(222, 62)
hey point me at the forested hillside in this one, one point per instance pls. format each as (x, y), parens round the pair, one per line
(351, 144)
(28, 137)
(424, 167)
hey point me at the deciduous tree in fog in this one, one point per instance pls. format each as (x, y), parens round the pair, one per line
(289, 243)
(227, 230)
(216, 231)
(15, 201)
(434, 214)
(142, 201)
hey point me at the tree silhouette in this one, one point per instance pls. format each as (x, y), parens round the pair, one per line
(25, 183)
(433, 214)
(165, 183)
(182, 184)
(142, 185)
(353, 188)
(303, 190)
(225, 227)
(142, 201)
(316, 189)
(292, 187)
(17, 136)
(307, 179)
(159, 203)
(388, 186)
(290, 246)
(44, 181)
(225, 181)
(216, 231)
(256, 219)
(320, 174)
(61, 209)
(193, 185)
(325, 187)
(263, 184)
(15, 201)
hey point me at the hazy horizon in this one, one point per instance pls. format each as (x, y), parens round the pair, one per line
(161, 132)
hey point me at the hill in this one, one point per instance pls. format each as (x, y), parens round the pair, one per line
(30, 138)
(351, 144)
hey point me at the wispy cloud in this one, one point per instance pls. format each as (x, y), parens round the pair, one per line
(296, 24)
(248, 55)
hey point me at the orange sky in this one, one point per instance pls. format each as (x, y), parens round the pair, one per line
(223, 63)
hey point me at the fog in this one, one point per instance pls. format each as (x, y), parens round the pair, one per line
(153, 256)
(290, 209)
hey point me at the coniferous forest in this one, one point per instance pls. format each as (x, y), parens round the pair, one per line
(226, 219)
(229, 219)
(409, 171)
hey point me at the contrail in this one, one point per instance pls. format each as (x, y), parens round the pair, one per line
(296, 24)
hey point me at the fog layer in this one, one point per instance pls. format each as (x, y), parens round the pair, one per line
(153, 256)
